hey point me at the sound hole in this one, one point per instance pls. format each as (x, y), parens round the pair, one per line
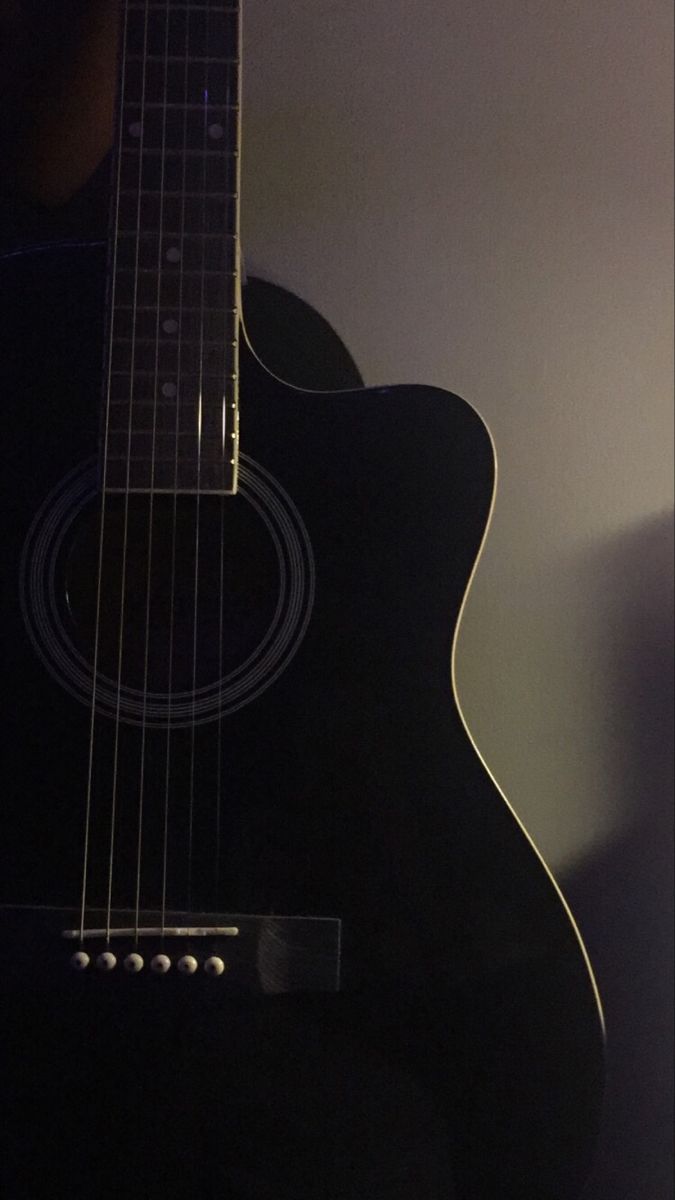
(189, 590)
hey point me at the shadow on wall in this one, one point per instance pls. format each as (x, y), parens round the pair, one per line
(624, 898)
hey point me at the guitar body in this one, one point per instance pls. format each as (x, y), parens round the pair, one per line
(328, 773)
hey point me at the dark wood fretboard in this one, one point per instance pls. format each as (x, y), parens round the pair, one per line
(172, 385)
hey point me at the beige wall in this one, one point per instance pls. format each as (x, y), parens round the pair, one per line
(477, 196)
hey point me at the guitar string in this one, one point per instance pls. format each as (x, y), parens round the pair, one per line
(230, 343)
(195, 614)
(151, 499)
(113, 234)
(174, 500)
(219, 731)
(221, 567)
(125, 536)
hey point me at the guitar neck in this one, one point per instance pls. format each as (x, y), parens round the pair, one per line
(174, 276)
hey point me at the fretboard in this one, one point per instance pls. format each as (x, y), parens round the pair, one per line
(172, 384)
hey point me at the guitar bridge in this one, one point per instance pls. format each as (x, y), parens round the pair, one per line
(268, 954)
(246, 953)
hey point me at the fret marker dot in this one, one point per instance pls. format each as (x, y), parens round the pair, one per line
(170, 326)
(168, 389)
(215, 131)
(173, 254)
(135, 129)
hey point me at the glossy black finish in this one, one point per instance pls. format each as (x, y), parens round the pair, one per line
(463, 1057)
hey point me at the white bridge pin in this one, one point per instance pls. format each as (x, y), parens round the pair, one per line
(133, 963)
(80, 961)
(214, 965)
(160, 964)
(187, 965)
(106, 961)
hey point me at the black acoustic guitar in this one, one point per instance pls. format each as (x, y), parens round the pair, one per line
(270, 929)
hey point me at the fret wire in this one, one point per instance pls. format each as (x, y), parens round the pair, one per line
(191, 406)
(220, 235)
(140, 490)
(151, 341)
(176, 233)
(208, 8)
(179, 58)
(167, 436)
(184, 308)
(145, 371)
(191, 271)
(177, 104)
(188, 195)
(174, 150)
